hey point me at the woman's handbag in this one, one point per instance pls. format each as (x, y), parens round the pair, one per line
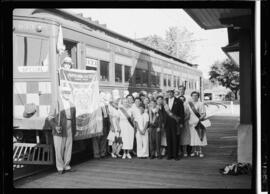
(206, 123)
(58, 127)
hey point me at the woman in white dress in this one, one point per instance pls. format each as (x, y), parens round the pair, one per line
(113, 111)
(197, 139)
(127, 130)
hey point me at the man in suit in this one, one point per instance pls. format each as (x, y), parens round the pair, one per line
(174, 119)
(100, 142)
(62, 118)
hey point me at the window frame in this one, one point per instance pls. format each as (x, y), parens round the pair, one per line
(121, 74)
(130, 77)
(18, 74)
(108, 79)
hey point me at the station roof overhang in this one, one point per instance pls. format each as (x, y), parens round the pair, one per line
(233, 19)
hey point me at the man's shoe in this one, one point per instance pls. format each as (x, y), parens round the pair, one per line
(70, 170)
(169, 158)
(159, 157)
(60, 172)
(177, 158)
(152, 157)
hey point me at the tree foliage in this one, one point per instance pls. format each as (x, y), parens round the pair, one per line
(176, 43)
(227, 74)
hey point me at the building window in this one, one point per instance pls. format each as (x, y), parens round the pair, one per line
(178, 82)
(104, 71)
(174, 81)
(118, 73)
(127, 73)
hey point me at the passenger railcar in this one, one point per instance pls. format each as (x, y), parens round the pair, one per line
(119, 61)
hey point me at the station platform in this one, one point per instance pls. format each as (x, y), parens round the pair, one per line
(145, 173)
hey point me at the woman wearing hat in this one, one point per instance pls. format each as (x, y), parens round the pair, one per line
(114, 122)
(100, 142)
(62, 118)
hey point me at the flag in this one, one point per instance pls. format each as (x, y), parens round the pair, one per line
(60, 42)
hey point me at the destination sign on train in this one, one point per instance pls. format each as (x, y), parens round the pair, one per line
(29, 69)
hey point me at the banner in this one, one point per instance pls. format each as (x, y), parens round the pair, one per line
(85, 96)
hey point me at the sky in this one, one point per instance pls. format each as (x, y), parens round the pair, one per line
(138, 23)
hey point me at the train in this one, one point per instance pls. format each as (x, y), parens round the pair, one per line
(120, 62)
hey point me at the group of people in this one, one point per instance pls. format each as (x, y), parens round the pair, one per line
(151, 125)
(142, 125)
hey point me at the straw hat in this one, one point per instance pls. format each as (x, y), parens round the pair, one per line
(135, 94)
(67, 60)
(125, 93)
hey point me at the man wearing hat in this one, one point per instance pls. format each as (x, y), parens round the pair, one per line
(67, 63)
(100, 142)
(62, 118)
(174, 117)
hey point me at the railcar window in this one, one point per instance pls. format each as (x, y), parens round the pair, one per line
(165, 80)
(104, 71)
(127, 73)
(178, 81)
(144, 78)
(118, 73)
(158, 80)
(153, 79)
(174, 81)
(71, 51)
(32, 51)
(138, 76)
(169, 80)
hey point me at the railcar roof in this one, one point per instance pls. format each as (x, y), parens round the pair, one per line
(111, 33)
(115, 34)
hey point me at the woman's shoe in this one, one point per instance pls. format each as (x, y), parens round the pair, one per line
(185, 155)
(129, 156)
(124, 156)
(201, 155)
(113, 155)
(193, 154)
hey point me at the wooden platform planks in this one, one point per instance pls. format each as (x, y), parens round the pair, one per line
(136, 173)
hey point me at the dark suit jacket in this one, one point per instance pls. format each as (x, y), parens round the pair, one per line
(177, 109)
(54, 118)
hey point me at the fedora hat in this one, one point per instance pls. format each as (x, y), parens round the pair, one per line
(29, 110)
